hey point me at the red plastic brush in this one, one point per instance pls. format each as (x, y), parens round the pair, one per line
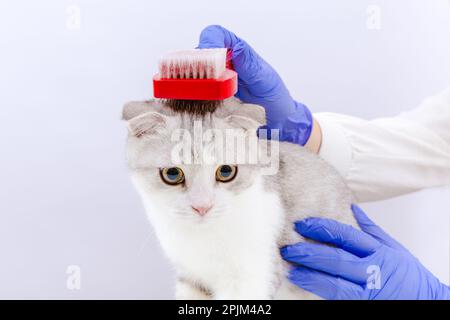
(195, 75)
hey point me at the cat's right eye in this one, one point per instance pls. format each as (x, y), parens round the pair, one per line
(226, 173)
(172, 175)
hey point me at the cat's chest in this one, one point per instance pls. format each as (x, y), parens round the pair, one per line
(245, 233)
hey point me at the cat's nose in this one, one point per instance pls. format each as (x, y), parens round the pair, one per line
(201, 210)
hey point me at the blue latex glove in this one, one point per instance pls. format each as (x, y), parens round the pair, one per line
(260, 84)
(351, 270)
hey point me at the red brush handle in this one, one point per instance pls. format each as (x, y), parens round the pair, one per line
(196, 89)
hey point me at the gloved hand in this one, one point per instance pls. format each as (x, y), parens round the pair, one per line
(366, 264)
(260, 84)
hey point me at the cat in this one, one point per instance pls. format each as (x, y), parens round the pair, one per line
(223, 235)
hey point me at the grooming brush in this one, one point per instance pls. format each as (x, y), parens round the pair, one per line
(196, 81)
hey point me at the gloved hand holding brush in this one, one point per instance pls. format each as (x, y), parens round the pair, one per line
(260, 84)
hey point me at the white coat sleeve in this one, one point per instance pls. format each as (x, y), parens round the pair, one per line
(387, 157)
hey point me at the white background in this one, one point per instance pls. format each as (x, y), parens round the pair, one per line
(65, 195)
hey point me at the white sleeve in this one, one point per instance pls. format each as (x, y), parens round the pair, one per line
(387, 157)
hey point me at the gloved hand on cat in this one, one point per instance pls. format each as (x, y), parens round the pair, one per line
(260, 84)
(366, 264)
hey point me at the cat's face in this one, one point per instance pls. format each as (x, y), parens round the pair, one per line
(185, 164)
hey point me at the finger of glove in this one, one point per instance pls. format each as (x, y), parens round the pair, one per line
(341, 235)
(334, 261)
(216, 36)
(368, 226)
(324, 285)
(251, 68)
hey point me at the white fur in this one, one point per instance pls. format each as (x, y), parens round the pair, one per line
(235, 261)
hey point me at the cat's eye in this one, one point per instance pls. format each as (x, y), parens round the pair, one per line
(226, 173)
(172, 175)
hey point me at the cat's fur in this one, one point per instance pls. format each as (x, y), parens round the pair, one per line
(233, 251)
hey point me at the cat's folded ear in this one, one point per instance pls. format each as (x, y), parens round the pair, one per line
(247, 117)
(251, 111)
(143, 118)
(135, 108)
(242, 122)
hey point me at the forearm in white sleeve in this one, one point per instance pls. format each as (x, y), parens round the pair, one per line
(387, 157)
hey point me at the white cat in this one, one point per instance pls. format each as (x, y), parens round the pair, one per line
(222, 224)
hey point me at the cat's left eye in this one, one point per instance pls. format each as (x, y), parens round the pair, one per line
(172, 175)
(226, 173)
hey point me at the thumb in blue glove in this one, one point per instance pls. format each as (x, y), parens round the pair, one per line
(260, 84)
(365, 264)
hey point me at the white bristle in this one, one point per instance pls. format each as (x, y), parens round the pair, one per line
(193, 64)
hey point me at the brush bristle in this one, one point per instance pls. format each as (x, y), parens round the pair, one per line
(195, 107)
(193, 64)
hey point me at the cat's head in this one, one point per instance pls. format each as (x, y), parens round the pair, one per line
(185, 163)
